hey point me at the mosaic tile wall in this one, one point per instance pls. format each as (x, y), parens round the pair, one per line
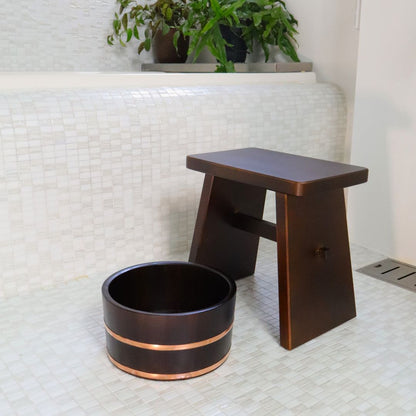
(64, 35)
(95, 180)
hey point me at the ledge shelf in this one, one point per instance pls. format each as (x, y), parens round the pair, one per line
(270, 67)
(19, 81)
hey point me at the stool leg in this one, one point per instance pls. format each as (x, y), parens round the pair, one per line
(216, 243)
(316, 290)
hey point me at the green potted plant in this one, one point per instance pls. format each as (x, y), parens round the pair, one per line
(269, 23)
(263, 22)
(160, 21)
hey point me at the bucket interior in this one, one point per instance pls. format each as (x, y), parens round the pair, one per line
(169, 288)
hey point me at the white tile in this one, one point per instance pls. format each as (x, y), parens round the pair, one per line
(53, 361)
(90, 177)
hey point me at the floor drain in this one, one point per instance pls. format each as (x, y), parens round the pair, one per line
(392, 271)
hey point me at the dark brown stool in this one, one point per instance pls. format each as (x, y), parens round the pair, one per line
(316, 290)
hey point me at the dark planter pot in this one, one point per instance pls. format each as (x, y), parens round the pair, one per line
(237, 52)
(164, 51)
(168, 320)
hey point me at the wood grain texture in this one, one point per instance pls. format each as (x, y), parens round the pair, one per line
(216, 241)
(316, 290)
(316, 293)
(277, 171)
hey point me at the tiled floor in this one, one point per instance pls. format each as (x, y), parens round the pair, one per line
(53, 361)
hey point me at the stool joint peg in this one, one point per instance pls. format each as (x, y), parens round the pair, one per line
(322, 252)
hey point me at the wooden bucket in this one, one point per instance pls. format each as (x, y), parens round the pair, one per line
(168, 320)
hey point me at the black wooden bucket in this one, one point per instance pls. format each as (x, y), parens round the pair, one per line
(168, 320)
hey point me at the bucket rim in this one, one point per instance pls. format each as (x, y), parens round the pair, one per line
(228, 297)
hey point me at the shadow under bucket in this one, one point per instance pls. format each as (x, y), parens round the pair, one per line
(168, 320)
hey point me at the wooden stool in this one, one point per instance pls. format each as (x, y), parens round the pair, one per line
(316, 290)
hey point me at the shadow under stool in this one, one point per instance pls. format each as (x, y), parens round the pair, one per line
(316, 290)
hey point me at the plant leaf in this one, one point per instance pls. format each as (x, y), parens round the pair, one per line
(256, 19)
(165, 29)
(175, 39)
(124, 21)
(116, 26)
(129, 34)
(229, 67)
(216, 7)
(136, 32)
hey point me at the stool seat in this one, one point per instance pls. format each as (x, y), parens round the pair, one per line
(277, 171)
(316, 290)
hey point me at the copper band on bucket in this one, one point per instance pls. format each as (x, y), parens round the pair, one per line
(167, 347)
(155, 376)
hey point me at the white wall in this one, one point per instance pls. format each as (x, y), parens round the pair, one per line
(62, 35)
(329, 37)
(382, 213)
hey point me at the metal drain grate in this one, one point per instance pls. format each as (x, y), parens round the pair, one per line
(392, 271)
